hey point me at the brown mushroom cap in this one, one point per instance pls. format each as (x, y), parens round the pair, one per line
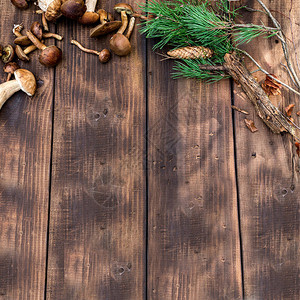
(104, 16)
(11, 67)
(73, 9)
(53, 10)
(26, 81)
(123, 7)
(8, 53)
(22, 40)
(22, 4)
(89, 17)
(37, 29)
(120, 44)
(20, 53)
(50, 56)
(105, 28)
(104, 56)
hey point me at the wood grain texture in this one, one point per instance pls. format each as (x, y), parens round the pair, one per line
(97, 224)
(268, 176)
(193, 223)
(25, 146)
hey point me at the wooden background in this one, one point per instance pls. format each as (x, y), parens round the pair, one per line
(117, 182)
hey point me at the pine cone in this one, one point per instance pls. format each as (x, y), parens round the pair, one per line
(191, 52)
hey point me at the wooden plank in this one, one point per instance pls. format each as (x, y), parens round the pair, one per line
(25, 148)
(268, 176)
(193, 232)
(97, 230)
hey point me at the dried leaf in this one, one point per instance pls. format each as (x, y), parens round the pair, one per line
(250, 125)
(271, 87)
(289, 109)
(298, 148)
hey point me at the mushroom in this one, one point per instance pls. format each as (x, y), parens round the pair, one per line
(124, 9)
(47, 35)
(10, 68)
(90, 16)
(8, 54)
(25, 41)
(107, 24)
(73, 9)
(24, 80)
(50, 56)
(51, 9)
(22, 40)
(22, 4)
(119, 43)
(44, 22)
(22, 54)
(104, 55)
(37, 29)
(17, 30)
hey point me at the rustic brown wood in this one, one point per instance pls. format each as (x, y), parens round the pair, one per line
(265, 109)
(193, 231)
(25, 146)
(268, 178)
(97, 223)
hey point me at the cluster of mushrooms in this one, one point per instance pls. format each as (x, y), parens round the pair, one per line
(84, 13)
(51, 55)
(24, 80)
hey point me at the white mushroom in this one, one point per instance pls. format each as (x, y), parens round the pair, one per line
(24, 80)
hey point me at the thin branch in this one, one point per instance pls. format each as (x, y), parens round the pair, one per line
(267, 73)
(283, 42)
(288, 70)
(239, 110)
(293, 42)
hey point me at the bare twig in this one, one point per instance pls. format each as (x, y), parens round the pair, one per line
(293, 42)
(267, 73)
(269, 113)
(283, 43)
(239, 110)
(288, 70)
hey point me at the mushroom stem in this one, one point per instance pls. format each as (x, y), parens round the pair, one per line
(53, 35)
(90, 5)
(130, 27)
(124, 22)
(44, 22)
(8, 78)
(74, 42)
(7, 89)
(30, 49)
(17, 30)
(35, 40)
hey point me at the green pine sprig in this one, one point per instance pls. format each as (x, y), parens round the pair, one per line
(179, 23)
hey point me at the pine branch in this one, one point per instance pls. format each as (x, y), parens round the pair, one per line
(180, 24)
